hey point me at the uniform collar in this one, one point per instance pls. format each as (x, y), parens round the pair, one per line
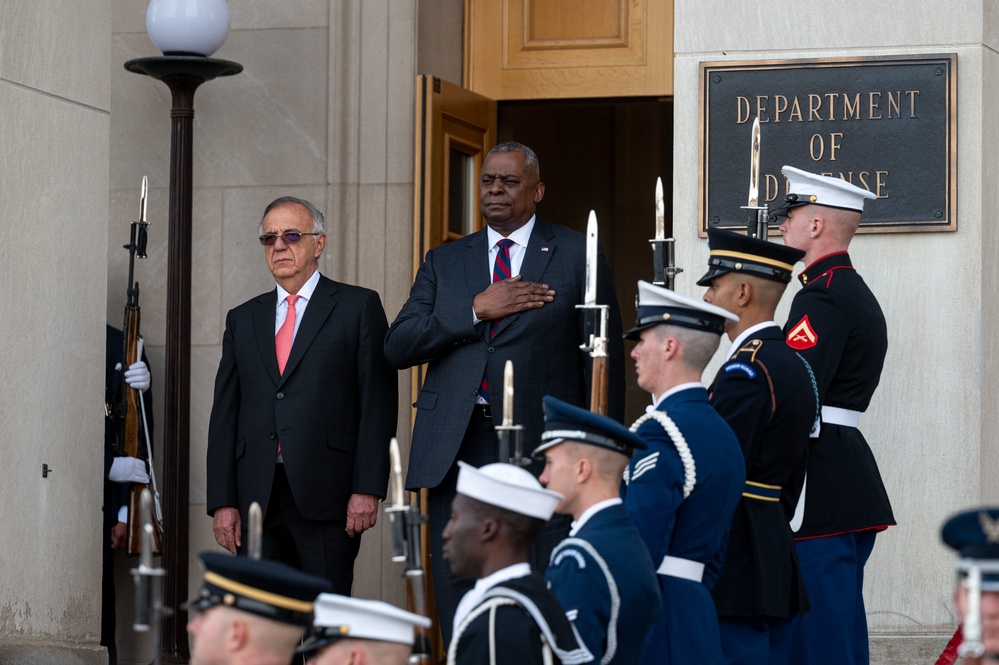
(591, 511)
(738, 341)
(824, 265)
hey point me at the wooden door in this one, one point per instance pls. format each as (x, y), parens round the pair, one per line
(558, 49)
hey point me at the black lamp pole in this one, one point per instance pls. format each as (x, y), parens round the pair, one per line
(183, 74)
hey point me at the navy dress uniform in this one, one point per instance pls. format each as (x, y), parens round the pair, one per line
(342, 617)
(766, 393)
(681, 493)
(837, 325)
(602, 574)
(517, 620)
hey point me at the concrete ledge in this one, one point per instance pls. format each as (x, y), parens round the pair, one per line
(907, 649)
(15, 651)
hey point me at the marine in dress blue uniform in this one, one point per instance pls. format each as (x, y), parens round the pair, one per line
(765, 392)
(837, 325)
(681, 493)
(602, 574)
(509, 617)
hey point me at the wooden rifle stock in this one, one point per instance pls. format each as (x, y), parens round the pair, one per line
(598, 385)
(130, 433)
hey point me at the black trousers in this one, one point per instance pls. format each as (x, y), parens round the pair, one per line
(478, 448)
(318, 547)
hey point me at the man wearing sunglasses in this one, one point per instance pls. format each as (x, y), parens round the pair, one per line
(305, 406)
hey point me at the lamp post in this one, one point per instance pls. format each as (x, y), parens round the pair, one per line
(187, 31)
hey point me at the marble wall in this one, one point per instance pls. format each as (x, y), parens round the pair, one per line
(54, 124)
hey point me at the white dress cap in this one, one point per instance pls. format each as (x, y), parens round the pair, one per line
(366, 619)
(810, 188)
(509, 487)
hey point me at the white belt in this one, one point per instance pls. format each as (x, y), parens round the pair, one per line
(682, 568)
(837, 416)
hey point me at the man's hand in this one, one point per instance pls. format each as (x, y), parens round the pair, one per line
(227, 526)
(119, 532)
(128, 470)
(137, 376)
(510, 296)
(362, 513)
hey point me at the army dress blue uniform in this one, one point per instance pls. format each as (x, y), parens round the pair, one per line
(765, 393)
(686, 537)
(603, 576)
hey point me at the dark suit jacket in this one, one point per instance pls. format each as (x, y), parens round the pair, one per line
(334, 409)
(435, 327)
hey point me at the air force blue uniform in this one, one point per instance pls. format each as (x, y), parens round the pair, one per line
(602, 574)
(686, 535)
(604, 579)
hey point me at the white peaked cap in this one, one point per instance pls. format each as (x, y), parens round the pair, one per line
(366, 619)
(509, 487)
(806, 188)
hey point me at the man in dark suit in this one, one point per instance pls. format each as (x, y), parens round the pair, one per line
(765, 392)
(305, 406)
(466, 328)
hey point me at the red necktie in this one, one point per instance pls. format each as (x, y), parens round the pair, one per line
(501, 270)
(282, 341)
(285, 335)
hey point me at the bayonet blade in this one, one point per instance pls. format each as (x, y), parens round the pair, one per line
(590, 295)
(142, 200)
(754, 166)
(660, 211)
(508, 394)
(255, 531)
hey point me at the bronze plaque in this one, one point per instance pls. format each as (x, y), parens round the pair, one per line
(887, 124)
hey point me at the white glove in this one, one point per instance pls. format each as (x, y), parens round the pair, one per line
(137, 376)
(128, 470)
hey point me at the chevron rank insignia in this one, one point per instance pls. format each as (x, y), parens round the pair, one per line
(802, 336)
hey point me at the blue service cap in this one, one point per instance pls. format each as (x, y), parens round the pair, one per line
(265, 588)
(975, 536)
(734, 252)
(565, 422)
(657, 304)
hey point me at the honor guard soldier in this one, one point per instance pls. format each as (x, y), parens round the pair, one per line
(975, 537)
(509, 617)
(353, 631)
(250, 611)
(837, 325)
(765, 392)
(602, 573)
(681, 493)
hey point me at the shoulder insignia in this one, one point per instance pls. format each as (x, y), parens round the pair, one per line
(802, 336)
(740, 367)
(645, 464)
(571, 553)
(752, 347)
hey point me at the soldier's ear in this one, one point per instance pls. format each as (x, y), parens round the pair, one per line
(488, 530)
(539, 192)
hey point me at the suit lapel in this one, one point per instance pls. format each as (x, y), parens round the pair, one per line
(320, 306)
(537, 255)
(263, 326)
(477, 275)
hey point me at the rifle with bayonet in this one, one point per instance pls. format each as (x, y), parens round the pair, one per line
(511, 437)
(131, 405)
(758, 223)
(406, 521)
(664, 270)
(149, 609)
(595, 324)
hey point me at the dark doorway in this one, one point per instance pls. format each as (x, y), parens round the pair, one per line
(603, 155)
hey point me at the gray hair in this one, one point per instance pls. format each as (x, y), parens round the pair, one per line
(318, 221)
(531, 164)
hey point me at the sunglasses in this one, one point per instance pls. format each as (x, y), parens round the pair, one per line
(290, 237)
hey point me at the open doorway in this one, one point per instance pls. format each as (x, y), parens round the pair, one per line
(604, 155)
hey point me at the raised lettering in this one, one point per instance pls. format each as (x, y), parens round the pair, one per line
(851, 111)
(873, 105)
(741, 110)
